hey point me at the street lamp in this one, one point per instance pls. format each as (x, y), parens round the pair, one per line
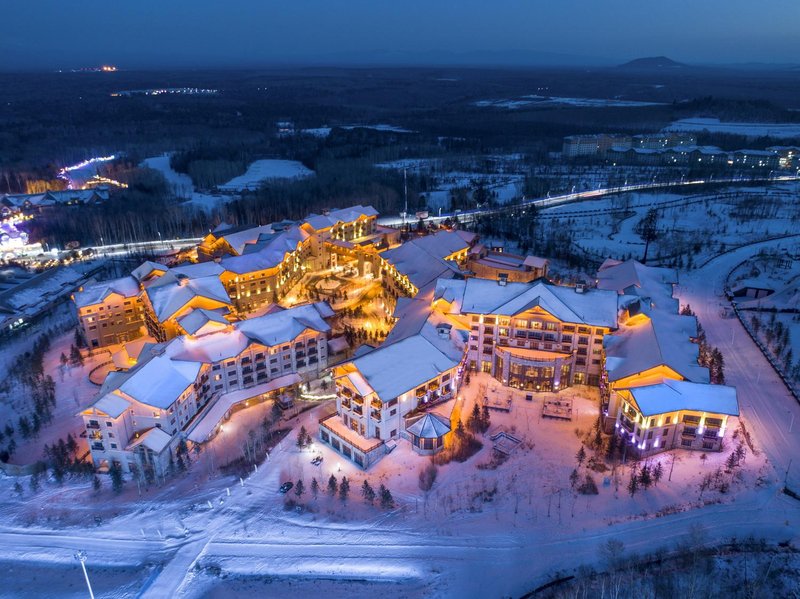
(81, 557)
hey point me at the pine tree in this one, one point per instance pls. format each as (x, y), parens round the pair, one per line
(64, 360)
(474, 424)
(645, 478)
(34, 483)
(387, 501)
(573, 478)
(658, 472)
(633, 483)
(18, 488)
(299, 488)
(275, 411)
(486, 419)
(581, 456)
(301, 437)
(344, 489)
(96, 484)
(314, 488)
(367, 492)
(117, 480)
(332, 485)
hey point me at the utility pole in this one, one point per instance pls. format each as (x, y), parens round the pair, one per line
(405, 194)
(81, 557)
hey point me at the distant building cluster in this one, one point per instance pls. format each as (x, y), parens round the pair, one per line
(676, 149)
(600, 144)
(32, 203)
(206, 337)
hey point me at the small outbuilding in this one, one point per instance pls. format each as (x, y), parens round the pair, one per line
(427, 433)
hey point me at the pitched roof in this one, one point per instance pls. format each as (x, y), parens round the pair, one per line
(201, 320)
(268, 254)
(154, 439)
(430, 426)
(482, 296)
(239, 239)
(662, 339)
(96, 293)
(673, 396)
(147, 268)
(170, 293)
(320, 222)
(400, 367)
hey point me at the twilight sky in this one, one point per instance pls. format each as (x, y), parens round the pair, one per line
(51, 34)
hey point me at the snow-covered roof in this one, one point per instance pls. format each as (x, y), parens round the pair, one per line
(146, 269)
(320, 222)
(430, 426)
(170, 293)
(198, 270)
(443, 243)
(154, 439)
(268, 254)
(674, 396)
(660, 339)
(125, 287)
(422, 267)
(239, 239)
(200, 321)
(394, 369)
(634, 278)
(482, 296)
(112, 405)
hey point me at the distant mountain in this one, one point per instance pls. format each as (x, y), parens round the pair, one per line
(653, 62)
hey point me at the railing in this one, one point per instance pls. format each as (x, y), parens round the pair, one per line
(375, 415)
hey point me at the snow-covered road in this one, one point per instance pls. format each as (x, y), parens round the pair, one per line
(764, 401)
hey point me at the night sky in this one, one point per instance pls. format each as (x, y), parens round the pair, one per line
(53, 34)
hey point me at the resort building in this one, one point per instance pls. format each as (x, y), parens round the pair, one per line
(417, 264)
(110, 312)
(503, 266)
(535, 336)
(184, 388)
(673, 413)
(383, 395)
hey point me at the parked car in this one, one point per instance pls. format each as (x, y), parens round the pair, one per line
(317, 460)
(286, 487)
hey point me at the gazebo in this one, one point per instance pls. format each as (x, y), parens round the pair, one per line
(428, 432)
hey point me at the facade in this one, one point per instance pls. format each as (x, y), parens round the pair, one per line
(110, 312)
(670, 414)
(239, 272)
(173, 386)
(382, 394)
(535, 336)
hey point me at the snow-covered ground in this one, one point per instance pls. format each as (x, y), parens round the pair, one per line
(326, 131)
(777, 130)
(534, 100)
(267, 170)
(182, 186)
(698, 226)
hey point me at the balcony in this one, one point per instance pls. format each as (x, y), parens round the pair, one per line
(358, 410)
(358, 400)
(93, 425)
(375, 415)
(689, 433)
(98, 447)
(345, 402)
(377, 404)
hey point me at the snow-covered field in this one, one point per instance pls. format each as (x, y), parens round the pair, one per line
(777, 130)
(535, 100)
(326, 131)
(698, 226)
(182, 186)
(267, 170)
